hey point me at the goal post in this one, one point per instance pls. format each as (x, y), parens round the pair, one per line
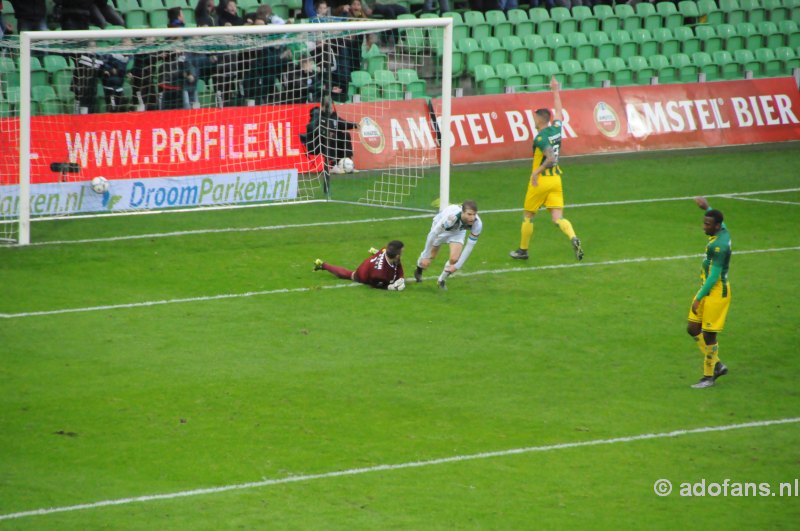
(225, 117)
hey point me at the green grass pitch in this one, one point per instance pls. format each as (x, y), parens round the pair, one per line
(310, 375)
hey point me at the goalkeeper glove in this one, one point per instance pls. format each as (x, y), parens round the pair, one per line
(397, 285)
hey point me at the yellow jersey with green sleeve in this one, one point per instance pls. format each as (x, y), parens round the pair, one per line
(716, 263)
(549, 137)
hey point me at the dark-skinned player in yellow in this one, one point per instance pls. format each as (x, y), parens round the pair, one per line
(710, 305)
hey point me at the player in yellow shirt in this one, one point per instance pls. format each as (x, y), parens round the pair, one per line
(710, 305)
(545, 186)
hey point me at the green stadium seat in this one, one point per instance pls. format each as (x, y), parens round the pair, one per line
(625, 45)
(575, 76)
(645, 43)
(562, 17)
(734, 13)
(790, 32)
(534, 80)
(603, 46)
(149, 5)
(608, 20)
(581, 49)
(54, 63)
(158, 18)
(630, 20)
(243, 4)
(776, 10)
(455, 15)
(671, 17)
(706, 65)
(411, 83)
(391, 88)
(771, 66)
(754, 11)
(527, 69)
(688, 42)
(686, 70)
(495, 52)
(733, 41)
(487, 80)
(473, 54)
(772, 37)
(597, 71)
(62, 83)
(587, 22)
(688, 10)
(517, 51)
(500, 25)
(788, 58)
(512, 80)
(561, 50)
(39, 75)
(479, 28)
(369, 93)
(620, 73)
(544, 24)
(550, 69)
(748, 62)
(414, 41)
(641, 69)
(667, 43)
(710, 13)
(359, 78)
(539, 51)
(460, 31)
(651, 19)
(708, 36)
(664, 70)
(752, 38)
(728, 67)
(522, 24)
(374, 59)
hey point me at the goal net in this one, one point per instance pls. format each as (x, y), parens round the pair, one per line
(97, 123)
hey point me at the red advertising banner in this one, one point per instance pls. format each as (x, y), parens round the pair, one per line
(636, 118)
(404, 133)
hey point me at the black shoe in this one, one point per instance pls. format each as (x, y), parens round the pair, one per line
(720, 370)
(418, 274)
(519, 254)
(576, 246)
(442, 285)
(705, 381)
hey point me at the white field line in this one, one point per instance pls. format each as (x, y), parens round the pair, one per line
(353, 284)
(765, 200)
(174, 234)
(399, 466)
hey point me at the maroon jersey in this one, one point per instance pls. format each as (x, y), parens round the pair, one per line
(377, 271)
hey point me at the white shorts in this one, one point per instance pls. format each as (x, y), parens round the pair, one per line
(448, 237)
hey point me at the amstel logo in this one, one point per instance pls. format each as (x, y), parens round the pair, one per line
(606, 119)
(371, 136)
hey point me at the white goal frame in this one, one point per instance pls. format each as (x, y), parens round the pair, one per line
(28, 39)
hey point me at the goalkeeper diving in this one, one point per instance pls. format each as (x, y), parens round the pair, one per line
(451, 226)
(382, 270)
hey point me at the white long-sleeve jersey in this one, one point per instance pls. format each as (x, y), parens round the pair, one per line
(448, 227)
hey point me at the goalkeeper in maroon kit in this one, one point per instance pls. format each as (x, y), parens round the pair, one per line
(382, 270)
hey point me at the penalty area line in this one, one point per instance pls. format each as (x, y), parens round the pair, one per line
(622, 261)
(399, 466)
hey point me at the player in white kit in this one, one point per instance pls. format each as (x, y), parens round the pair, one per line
(451, 226)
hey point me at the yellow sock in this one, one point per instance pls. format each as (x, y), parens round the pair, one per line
(711, 359)
(701, 342)
(527, 234)
(566, 227)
